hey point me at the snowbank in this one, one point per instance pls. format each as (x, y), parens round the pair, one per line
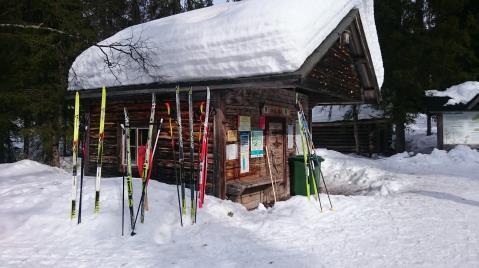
(246, 38)
(458, 94)
(350, 174)
(459, 161)
(413, 227)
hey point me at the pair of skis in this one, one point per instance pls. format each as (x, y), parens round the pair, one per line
(197, 185)
(76, 126)
(146, 173)
(308, 154)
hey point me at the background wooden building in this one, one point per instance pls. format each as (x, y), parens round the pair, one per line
(361, 129)
(457, 115)
(254, 108)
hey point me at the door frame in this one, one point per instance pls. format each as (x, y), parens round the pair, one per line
(282, 120)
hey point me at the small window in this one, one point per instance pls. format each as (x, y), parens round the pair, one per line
(138, 137)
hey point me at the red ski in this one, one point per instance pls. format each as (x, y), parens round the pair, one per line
(204, 153)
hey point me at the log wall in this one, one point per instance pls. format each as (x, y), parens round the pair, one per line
(374, 136)
(139, 113)
(277, 107)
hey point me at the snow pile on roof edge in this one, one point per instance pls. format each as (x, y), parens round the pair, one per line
(458, 94)
(229, 40)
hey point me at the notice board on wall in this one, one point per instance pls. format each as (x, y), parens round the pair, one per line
(257, 143)
(461, 128)
(244, 151)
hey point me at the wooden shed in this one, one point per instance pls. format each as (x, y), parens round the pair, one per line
(457, 115)
(249, 112)
(360, 129)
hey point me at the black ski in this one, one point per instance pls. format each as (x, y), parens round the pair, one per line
(168, 110)
(181, 158)
(86, 122)
(192, 159)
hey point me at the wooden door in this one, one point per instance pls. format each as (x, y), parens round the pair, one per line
(275, 142)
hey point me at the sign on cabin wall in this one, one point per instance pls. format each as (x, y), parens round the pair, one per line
(461, 128)
(232, 135)
(232, 151)
(262, 122)
(257, 143)
(290, 136)
(297, 139)
(244, 123)
(275, 110)
(244, 152)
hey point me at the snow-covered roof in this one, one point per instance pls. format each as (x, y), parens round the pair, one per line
(334, 113)
(458, 94)
(240, 39)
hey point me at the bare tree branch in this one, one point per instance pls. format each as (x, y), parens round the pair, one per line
(130, 56)
(37, 27)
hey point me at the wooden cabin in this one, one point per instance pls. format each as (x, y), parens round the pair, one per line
(249, 113)
(457, 119)
(360, 129)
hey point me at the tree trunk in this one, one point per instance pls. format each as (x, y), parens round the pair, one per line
(55, 161)
(428, 132)
(400, 143)
(26, 140)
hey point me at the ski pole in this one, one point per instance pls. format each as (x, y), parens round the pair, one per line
(86, 122)
(270, 173)
(168, 110)
(123, 205)
(326, 189)
(81, 181)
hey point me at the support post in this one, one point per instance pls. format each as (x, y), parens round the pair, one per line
(428, 132)
(355, 128)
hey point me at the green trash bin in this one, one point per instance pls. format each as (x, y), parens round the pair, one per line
(298, 176)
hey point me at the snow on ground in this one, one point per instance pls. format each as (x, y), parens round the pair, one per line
(416, 139)
(247, 38)
(406, 211)
(458, 94)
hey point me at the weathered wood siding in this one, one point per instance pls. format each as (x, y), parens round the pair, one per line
(374, 136)
(277, 106)
(336, 72)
